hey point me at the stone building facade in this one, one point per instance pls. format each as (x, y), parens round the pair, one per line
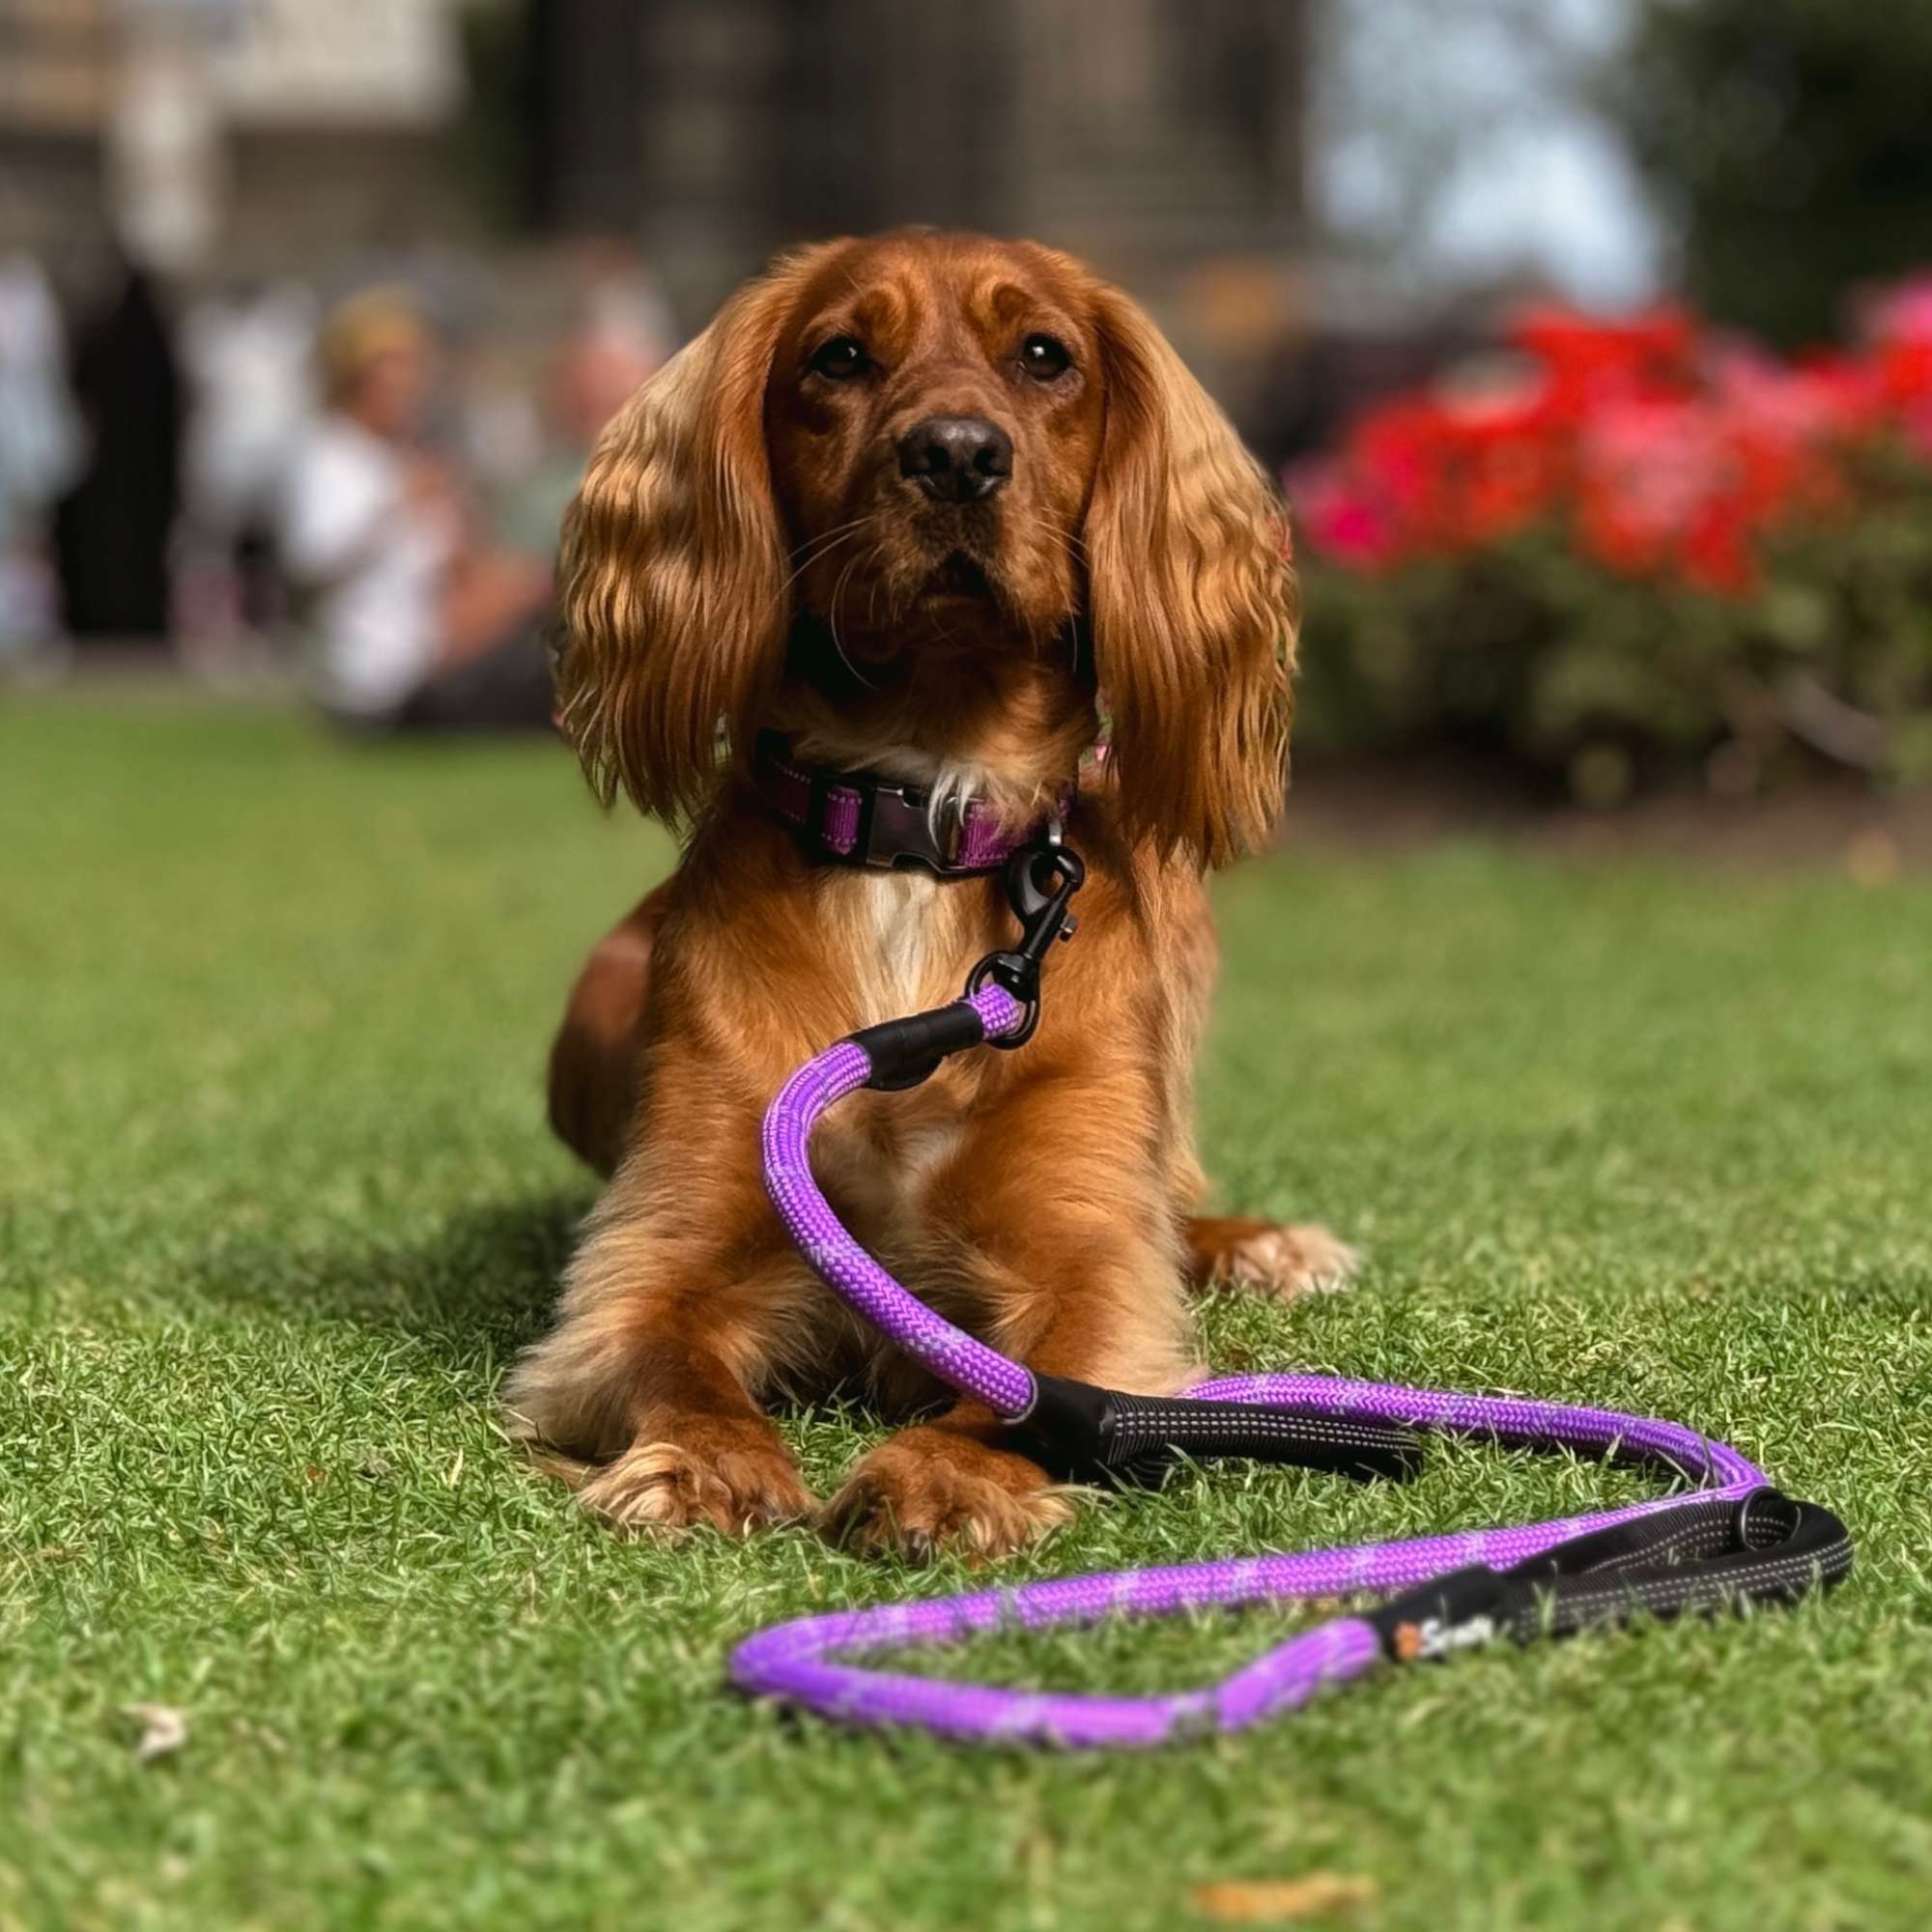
(1153, 135)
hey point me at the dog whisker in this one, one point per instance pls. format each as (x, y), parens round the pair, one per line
(820, 548)
(832, 624)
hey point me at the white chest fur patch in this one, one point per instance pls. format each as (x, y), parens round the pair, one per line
(900, 913)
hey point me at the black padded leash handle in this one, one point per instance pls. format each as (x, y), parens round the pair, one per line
(1700, 1558)
(1093, 1434)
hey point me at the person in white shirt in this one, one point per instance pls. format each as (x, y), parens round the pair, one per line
(249, 355)
(416, 620)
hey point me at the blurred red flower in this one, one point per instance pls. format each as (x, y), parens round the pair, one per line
(1652, 446)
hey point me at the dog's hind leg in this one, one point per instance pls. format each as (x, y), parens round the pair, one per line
(593, 1061)
(1281, 1260)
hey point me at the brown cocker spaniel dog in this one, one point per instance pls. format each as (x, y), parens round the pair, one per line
(927, 507)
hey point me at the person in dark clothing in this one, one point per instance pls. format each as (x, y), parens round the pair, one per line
(111, 532)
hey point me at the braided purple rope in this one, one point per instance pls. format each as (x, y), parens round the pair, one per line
(840, 1262)
(800, 1661)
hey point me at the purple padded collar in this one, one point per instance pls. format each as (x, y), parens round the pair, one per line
(862, 819)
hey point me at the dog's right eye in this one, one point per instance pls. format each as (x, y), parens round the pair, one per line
(841, 359)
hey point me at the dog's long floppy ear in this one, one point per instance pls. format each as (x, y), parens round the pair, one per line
(1192, 604)
(672, 574)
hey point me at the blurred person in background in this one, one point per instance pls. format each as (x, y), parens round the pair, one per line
(41, 452)
(591, 378)
(250, 359)
(114, 529)
(417, 618)
(623, 337)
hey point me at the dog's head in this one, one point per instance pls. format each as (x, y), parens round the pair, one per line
(934, 442)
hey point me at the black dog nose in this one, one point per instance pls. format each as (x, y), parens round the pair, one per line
(957, 459)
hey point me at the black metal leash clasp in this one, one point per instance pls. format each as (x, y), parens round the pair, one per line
(1041, 882)
(1039, 879)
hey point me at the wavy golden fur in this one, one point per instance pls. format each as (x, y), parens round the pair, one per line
(754, 549)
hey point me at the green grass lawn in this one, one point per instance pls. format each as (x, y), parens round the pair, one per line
(277, 1204)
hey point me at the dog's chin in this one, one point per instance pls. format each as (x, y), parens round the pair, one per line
(967, 596)
(970, 602)
(958, 579)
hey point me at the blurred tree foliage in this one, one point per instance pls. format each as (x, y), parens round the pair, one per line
(1791, 140)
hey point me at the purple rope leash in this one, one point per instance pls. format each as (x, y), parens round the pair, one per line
(1732, 1537)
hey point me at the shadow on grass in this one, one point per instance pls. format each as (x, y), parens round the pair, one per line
(472, 1294)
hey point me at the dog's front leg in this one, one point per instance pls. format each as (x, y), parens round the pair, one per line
(1051, 1223)
(676, 1310)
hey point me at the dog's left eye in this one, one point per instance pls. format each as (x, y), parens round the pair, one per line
(841, 359)
(1044, 356)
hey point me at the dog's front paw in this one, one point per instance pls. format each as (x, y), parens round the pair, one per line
(931, 1487)
(734, 1482)
(1281, 1260)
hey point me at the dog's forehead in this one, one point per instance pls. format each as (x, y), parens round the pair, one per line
(891, 288)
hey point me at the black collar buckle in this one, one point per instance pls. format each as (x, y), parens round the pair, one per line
(895, 829)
